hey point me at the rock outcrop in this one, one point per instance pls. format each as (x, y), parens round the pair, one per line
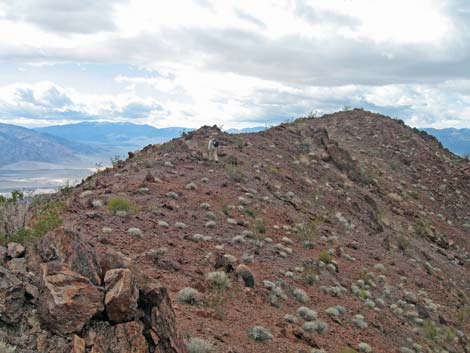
(121, 295)
(67, 310)
(12, 297)
(69, 299)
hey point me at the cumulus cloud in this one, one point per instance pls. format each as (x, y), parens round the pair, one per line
(45, 102)
(69, 16)
(244, 63)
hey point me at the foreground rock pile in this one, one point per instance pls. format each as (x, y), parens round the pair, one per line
(60, 299)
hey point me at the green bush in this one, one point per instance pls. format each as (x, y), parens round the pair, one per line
(260, 225)
(430, 330)
(325, 257)
(46, 217)
(403, 243)
(17, 195)
(118, 203)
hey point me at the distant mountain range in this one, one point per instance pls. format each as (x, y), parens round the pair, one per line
(21, 144)
(101, 140)
(112, 133)
(456, 140)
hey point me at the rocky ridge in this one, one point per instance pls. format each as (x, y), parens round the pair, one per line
(337, 234)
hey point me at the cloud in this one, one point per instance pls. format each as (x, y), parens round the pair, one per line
(68, 16)
(308, 12)
(139, 109)
(237, 64)
(47, 102)
(249, 18)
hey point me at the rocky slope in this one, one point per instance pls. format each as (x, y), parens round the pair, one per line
(336, 234)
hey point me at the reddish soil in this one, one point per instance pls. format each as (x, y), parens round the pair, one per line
(376, 193)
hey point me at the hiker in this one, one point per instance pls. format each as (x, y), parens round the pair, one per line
(212, 149)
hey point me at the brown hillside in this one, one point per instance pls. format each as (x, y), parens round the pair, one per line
(352, 209)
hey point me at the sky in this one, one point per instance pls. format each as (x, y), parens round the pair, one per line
(236, 64)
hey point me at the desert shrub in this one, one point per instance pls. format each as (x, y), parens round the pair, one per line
(218, 280)
(234, 173)
(307, 232)
(249, 212)
(317, 326)
(300, 295)
(259, 333)
(189, 296)
(118, 203)
(66, 189)
(45, 218)
(115, 160)
(17, 195)
(226, 209)
(159, 253)
(135, 232)
(325, 257)
(239, 143)
(260, 225)
(290, 318)
(198, 345)
(403, 243)
(6, 348)
(420, 229)
(463, 317)
(364, 347)
(306, 313)
(311, 274)
(430, 330)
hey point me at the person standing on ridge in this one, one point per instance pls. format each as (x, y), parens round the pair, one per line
(212, 149)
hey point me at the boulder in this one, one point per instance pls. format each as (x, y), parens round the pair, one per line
(123, 338)
(246, 275)
(78, 345)
(3, 255)
(17, 265)
(320, 136)
(129, 338)
(67, 247)
(15, 250)
(69, 299)
(12, 297)
(121, 295)
(113, 259)
(160, 319)
(225, 261)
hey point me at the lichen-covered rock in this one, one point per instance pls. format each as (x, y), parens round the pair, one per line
(162, 322)
(112, 260)
(78, 344)
(17, 265)
(12, 297)
(123, 338)
(121, 295)
(69, 299)
(68, 248)
(129, 338)
(15, 250)
(3, 255)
